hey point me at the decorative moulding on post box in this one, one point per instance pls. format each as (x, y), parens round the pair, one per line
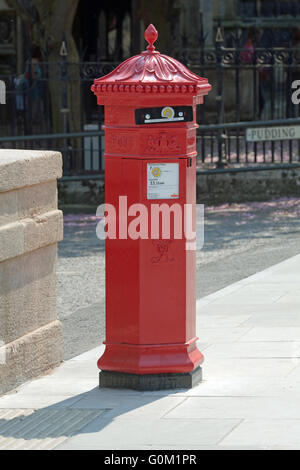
(151, 72)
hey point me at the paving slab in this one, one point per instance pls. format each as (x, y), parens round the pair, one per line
(277, 334)
(133, 433)
(237, 408)
(272, 434)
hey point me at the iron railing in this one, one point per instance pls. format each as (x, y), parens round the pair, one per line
(83, 152)
(226, 145)
(247, 85)
(252, 86)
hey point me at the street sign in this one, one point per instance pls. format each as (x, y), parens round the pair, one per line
(262, 134)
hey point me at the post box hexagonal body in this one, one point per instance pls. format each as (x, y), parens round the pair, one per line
(150, 125)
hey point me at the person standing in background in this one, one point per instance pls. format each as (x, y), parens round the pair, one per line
(247, 56)
(36, 92)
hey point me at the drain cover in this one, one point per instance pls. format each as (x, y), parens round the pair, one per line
(41, 429)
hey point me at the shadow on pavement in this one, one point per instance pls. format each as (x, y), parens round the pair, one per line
(50, 427)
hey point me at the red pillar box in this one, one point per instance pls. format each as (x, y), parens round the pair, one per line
(150, 124)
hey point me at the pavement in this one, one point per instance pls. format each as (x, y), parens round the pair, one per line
(240, 240)
(249, 333)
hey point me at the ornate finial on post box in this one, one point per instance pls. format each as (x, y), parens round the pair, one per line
(151, 36)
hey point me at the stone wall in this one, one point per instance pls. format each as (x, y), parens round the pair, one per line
(212, 188)
(244, 186)
(30, 227)
(87, 192)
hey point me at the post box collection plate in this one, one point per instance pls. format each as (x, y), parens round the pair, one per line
(167, 114)
(162, 181)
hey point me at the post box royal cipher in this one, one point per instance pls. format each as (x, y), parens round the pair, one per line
(150, 159)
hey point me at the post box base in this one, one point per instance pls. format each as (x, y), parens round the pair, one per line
(149, 382)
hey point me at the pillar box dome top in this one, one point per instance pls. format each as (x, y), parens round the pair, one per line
(151, 73)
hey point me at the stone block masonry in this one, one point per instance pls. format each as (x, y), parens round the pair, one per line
(30, 228)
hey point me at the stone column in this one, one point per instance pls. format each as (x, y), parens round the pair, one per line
(30, 228)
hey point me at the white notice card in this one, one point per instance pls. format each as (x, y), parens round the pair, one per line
(163, 181)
